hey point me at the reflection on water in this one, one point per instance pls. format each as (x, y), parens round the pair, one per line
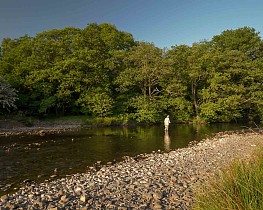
(167, 141)
(36, 157)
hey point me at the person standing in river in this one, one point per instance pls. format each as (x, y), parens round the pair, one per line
(166, 123)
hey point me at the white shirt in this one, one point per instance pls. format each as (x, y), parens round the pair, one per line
(167, 121)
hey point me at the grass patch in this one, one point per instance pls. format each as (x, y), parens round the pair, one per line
(239, 187)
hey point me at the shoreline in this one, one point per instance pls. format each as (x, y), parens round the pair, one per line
(154, 181)
(13, 127)
(40, 131)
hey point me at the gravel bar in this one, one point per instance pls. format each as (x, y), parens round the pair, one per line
(148, 181)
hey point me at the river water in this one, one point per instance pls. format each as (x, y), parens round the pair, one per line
(39, 158)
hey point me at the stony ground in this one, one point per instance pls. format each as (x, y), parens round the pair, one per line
(14, 127)
(150, 181)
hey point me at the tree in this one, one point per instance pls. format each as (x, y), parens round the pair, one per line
(52, 66)
(189, 75)
(245, 40)
(253, 105)
(97, 102)
(225, 91)
(8, 95)
(101, 48)
(176, 94)
(240, 64)
(14, 66)
(145, 69)
(56, 68)
(101, 71)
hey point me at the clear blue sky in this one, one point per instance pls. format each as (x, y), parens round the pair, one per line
(164, 22)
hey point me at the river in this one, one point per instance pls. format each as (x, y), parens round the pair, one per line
(38, 158)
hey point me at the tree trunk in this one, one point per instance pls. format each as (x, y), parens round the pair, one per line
(144, 92)
(194, 97)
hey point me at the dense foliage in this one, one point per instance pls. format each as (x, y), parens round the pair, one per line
(101, 71)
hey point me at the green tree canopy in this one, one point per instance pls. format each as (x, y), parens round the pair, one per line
(145, 69)
(101, 71)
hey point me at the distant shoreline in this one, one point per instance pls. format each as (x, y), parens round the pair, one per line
(38, 127)
(14, 127)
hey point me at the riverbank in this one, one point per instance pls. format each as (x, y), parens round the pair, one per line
(14, 127)
(150, 181)
(30, 126)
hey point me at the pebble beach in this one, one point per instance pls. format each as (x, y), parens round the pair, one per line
(148, 181)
